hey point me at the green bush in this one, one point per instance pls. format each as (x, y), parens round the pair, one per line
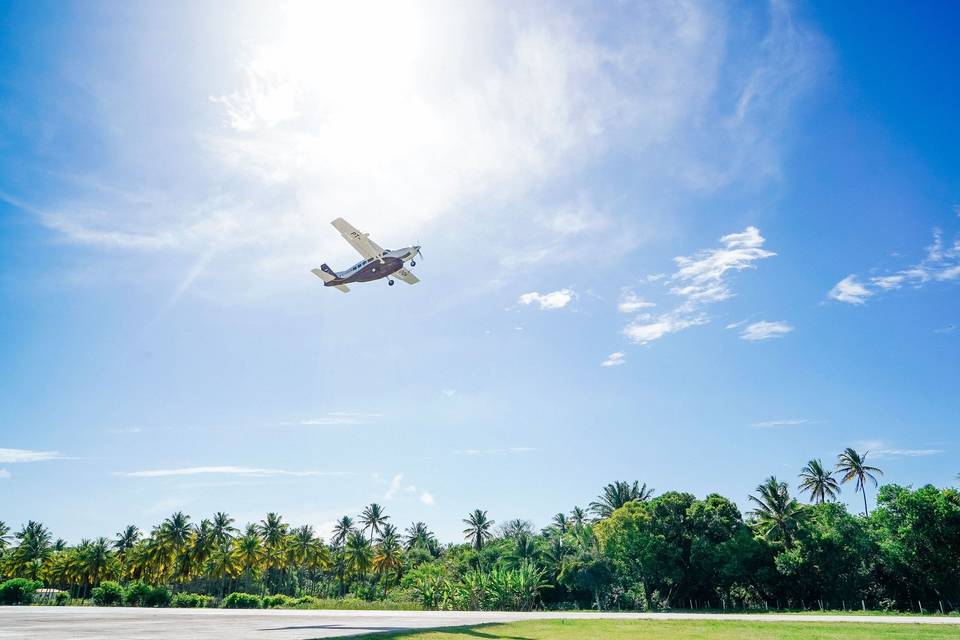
(190, 601)
(159, 597)
(277, 601)
(18, 591)
(136, 594)
(108, 594)
(61, 599)
(241, 601)
(139, 594)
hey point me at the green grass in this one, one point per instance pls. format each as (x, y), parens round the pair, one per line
(681, 630)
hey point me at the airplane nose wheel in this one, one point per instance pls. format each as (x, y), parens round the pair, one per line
(390, 282)
(413, 263)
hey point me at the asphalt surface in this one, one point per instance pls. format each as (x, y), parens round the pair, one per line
(88, 623)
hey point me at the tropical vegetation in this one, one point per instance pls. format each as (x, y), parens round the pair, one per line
(628, 549)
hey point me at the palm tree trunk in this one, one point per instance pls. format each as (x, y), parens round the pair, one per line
(865, 511)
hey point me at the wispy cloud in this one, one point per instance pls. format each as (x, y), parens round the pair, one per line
(614, 359)
(548, 301)
(490, 452)
(4, 474)
(630, 302)
(336, 418)
(26, 455)
(226, 470)
(904, 453)
(941, 264)
(784, 422)
(701, 280)
(850, 290)
(765, 330)
(427, 498)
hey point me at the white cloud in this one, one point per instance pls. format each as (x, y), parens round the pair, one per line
(225, 470)
(700, 280)
(427, 498)
(905, 453)
(490, 452)
(614, 359)
(850, 290)
(548, 301)
(26, 455)
(630, 302)
(448, 393)
(765, 330)
(336, 418)
(941, 264)
(787, 422)
(4, 474)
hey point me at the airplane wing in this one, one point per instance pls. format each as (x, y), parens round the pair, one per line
(406, 276)
(359, 241)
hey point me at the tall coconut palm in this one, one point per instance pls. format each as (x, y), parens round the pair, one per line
(4, 536)
(359, 554)
(342, 529)
(373, 519)
(617, 494)
(776, 513)
(388, 558)
(578, 516)
(248, 554)
(97, 558)
(818, 482)
(478, 528)
(559, 523)
(126, 538)
(223, 529)
(854, 466)
(418, 535)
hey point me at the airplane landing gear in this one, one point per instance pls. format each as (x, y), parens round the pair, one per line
(413, 263)
(390, 282)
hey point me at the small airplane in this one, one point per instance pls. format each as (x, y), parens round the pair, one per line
(377, 262)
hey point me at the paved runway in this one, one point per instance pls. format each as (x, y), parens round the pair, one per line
(89, 623)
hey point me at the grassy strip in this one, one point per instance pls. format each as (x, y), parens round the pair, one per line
(680, 630)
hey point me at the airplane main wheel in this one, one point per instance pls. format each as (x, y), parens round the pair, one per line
(412, 263)
(390, 282)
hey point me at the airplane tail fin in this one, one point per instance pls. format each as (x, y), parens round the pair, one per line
(327, 275)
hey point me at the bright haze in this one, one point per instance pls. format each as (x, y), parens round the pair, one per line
(684, 243)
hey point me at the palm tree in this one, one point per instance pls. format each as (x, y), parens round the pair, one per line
(418, 535)
(819, 482)
(616, 495)
(4, 536)
(578, 516)
(126, 539)
(223, 528)
(524, 550)
(478, 528)
(97, 560)
(776, 512)
(854, 466)
(559, 523)
(248, 554)
(358, 553)
(373, 519)
(389, 556)
(341, 530)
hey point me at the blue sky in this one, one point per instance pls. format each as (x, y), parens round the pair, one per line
(689, 244)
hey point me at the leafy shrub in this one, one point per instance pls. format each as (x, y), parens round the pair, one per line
(241, 601)
(139, 594)
(185, 600)
(277, 601)
(18, 591)
(61, 599)
(159, 597)
(108, 594)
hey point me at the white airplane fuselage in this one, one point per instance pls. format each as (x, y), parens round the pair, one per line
(371, 269)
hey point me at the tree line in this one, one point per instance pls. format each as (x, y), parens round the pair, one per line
(628, 549)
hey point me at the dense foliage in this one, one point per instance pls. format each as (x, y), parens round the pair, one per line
(631, 550)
